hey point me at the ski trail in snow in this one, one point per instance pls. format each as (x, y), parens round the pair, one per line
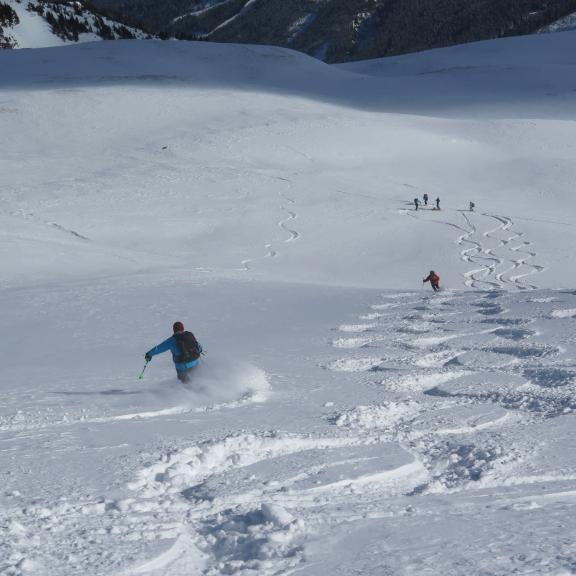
(283, 223)
(461, 439)
(506, 224)
(472, 253)
(286, 202)
(271, 252)
(67, 230)
(491, 260)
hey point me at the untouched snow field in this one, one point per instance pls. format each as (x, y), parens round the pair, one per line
(345, 420)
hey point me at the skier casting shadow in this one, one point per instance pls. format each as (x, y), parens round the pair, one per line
(434, 280)
(185, 350)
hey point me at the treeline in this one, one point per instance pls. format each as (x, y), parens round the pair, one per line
(150, 15)
(401, 26)
(340, 30)
(70, 19)
(8, 18)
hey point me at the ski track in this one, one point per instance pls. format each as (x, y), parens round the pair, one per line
(285, 203)
(491, 259)
(488, 260)
(475, 451)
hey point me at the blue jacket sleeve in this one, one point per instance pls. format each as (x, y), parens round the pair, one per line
(163, 347)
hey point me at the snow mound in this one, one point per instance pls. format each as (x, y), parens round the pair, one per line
(385, 415)
(254, 541)
(567, 313)
(356, 365)
(357, 327)
(354, 342)
(419, 382)
(175, 472)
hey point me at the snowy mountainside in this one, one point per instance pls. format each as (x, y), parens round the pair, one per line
(37, 24)
(345, 419)
(566, 23)
(342, 30)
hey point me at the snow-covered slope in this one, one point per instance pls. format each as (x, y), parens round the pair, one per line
(37, 24)
(566, 23)
(344, 420)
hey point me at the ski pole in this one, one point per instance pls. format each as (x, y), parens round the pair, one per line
(141, 377)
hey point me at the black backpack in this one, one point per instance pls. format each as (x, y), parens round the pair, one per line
(189, 348)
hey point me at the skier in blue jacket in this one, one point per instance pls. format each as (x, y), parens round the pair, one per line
(185, 350)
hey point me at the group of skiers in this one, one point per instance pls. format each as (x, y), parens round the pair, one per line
(417, 203)
(425, 198)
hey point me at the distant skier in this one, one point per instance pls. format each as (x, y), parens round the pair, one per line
(185, 350)
(438, 203)
(434, 280)
(472, 206)
(425, 197)
(416, 203)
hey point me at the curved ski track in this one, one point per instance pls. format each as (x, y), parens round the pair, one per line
(490, 275)
(286, 202)
(494, 267)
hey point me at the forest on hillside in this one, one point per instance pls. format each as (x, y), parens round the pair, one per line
(340, 30)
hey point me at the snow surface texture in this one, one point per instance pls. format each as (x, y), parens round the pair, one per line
(345, 420)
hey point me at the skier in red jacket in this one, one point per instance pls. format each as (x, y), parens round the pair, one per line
(434, 280)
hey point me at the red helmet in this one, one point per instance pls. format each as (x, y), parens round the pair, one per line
(178, 327)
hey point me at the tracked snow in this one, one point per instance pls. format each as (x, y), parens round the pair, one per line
(345, 419)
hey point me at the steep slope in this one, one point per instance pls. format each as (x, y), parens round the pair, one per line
(345, 419)
(38, 24)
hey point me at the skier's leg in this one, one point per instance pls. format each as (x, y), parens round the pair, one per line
(183, 376)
